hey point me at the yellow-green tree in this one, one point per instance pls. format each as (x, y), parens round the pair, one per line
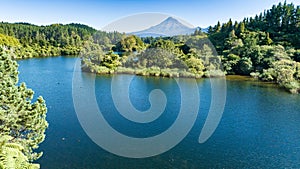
(8, 41)
(11, 155)
(21, 119)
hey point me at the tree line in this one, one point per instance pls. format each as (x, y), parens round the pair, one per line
(52, 40)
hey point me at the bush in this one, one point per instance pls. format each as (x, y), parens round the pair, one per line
(214, 73)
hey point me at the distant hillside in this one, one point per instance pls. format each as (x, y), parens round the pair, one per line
(31, 40)
(169, 27)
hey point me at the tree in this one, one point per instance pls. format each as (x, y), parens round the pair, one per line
(210, 30)
(217, 28)
(198, 31)
(268, 40)
(20, 118)
(11, 155)
(94, 59)
(230, 63)
(244, 66)
(287, 74)
(195, 65)
(111, 61)
(8, 41)
(296, 56)
(241, 28)
(232, 34)
(130, 43)
(156, 57)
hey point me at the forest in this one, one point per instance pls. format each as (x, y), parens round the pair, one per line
(30, 41)
(266, 46)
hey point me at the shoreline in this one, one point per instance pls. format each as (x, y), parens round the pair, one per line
(170, 74)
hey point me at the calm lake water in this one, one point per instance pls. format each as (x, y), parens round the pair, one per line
(260, 127)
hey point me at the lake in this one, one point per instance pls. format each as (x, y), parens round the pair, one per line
(260, 126)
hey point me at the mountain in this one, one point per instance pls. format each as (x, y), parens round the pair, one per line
(169, 27)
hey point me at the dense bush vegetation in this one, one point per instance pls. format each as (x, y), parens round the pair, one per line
(160, 57)
(266, 46)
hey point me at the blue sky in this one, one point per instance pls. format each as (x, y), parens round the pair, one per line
(100, 13)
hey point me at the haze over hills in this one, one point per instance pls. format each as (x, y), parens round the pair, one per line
(169, 27)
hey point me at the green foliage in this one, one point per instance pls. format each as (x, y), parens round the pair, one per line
(296, 55)
(191, 57)
(214, 73)
(230, 63)
(130, 43)
(94, 59)
(11, 155)
(180, 56)
(195, 65)
(52, 40)
(156, 57)
(287, 75)
(244, 66)
(263, 46)
(20, 118)
(268, 75)
(280, 25)
(8, 41)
